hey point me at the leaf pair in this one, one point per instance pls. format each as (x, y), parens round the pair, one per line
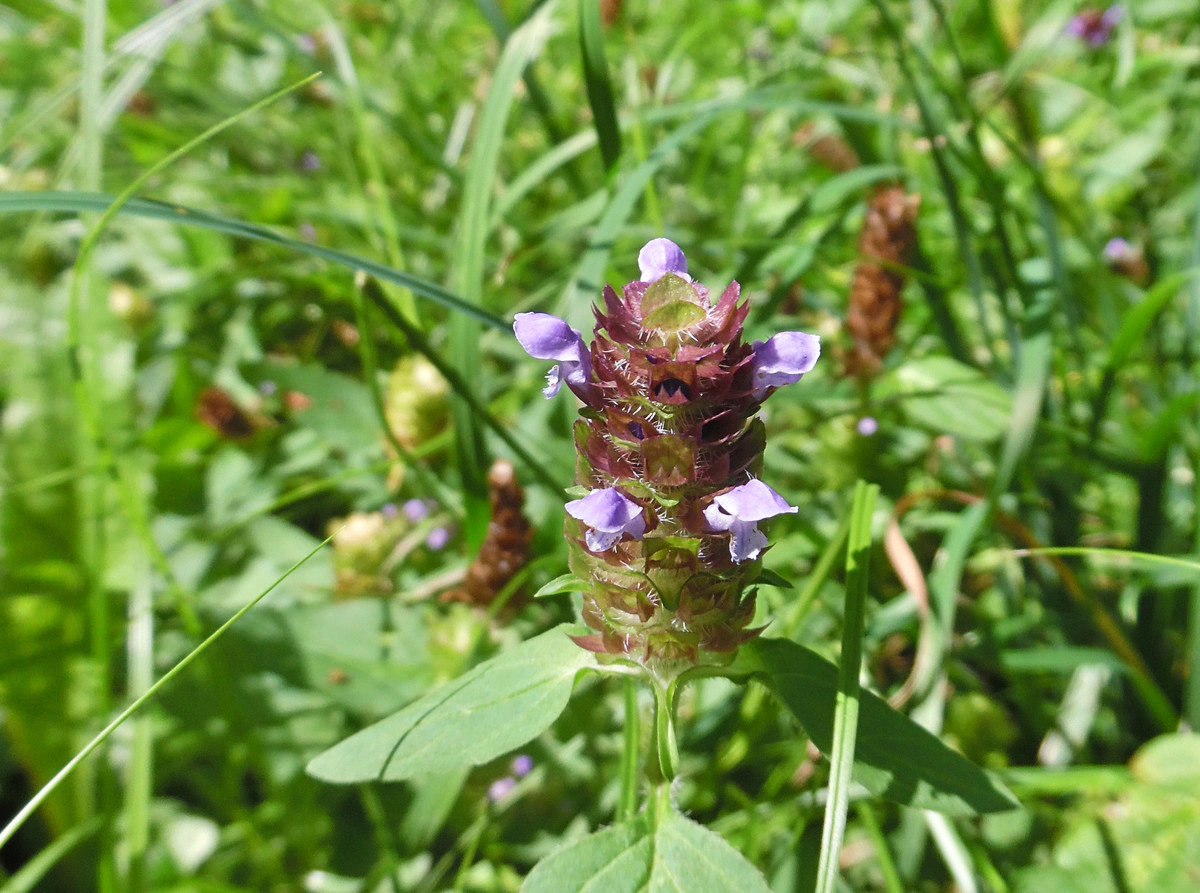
(512, 698)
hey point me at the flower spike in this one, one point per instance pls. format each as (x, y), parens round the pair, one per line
(669, 454)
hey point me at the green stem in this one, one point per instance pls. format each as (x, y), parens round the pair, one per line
(845, 720)
(139, 783)
(664, 730)
(627, 803)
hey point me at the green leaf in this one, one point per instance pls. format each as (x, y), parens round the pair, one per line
(1137, 840)
(677, 857)
(770, 578)
(894, 757)
(948, 397)
(560, 585)
(494, 708)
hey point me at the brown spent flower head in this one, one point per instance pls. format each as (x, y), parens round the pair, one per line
(505, 548)
(885, 243)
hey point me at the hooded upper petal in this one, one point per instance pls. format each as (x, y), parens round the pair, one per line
(659, 257)
(609, 514)
(783, 359)
(546, 337)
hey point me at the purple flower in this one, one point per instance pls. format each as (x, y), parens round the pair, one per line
(1095, 27)
(1117, 250)
(547, 337)
(610, 515)
(522, 765)
(867, 426)
(310, 162)
(739, 511)
(659, 257)
(389, 511)
(437, 539)
(501, 788)
(416, 510)
(783, 359)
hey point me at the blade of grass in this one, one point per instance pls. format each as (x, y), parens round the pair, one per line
(33, 871)
(81, 202)
(1134, 324)
(933, 130)
(1125, 554)
(816, 579)
(87, 315)
(599, 87)
(386, 230)
(954, 855)
(519, 51)
(845, 722)
(29, 808)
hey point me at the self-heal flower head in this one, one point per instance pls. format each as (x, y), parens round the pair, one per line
(547, 337)
(739, 510)
(609, 514)
(667, 454)
(659, 257)
(783, 359)
(1094, 27)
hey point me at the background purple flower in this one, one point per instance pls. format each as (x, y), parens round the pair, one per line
(867, 426)
(501, 788)
(416, 510)
(1095, 27)
(610, 515)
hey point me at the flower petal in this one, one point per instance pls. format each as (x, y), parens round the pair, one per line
(610, 515)
(753, 501)
(783, 359)
(547, 337)
(747, 541)
(659, 257)
(738, 512)
(554, 380)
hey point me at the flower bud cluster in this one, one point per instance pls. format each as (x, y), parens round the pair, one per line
(667, 539)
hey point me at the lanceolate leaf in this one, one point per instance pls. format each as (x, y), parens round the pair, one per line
(677, 857)
(894, 757)
(494, 708)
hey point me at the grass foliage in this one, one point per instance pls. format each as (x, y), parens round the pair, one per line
(197, 390)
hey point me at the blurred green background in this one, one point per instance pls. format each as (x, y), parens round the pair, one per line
(189, 409)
